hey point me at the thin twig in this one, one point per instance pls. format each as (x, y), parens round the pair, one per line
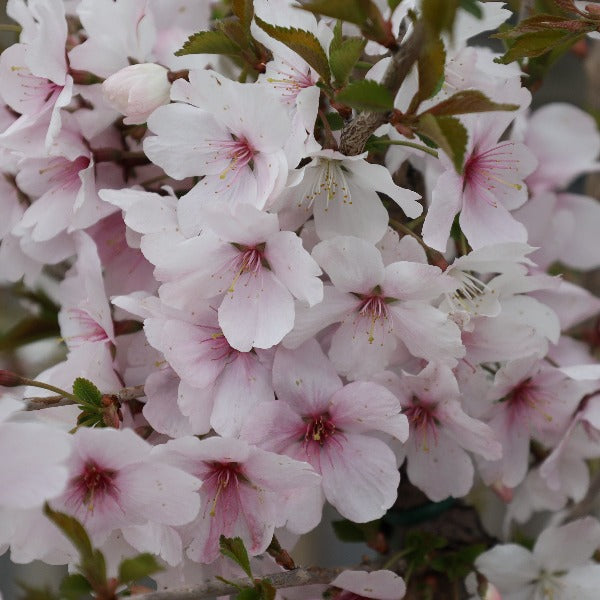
(356, 133)
(124, 395)
(214, 589)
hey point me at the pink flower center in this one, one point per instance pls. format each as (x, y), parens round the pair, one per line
(319, 430)
(219, 478)
(219, 345)
(493, 167)
(527, 398)
(239, 151)
(291, 82)
(92, 484)
(375, 309)
(250, 260)
(423, 422)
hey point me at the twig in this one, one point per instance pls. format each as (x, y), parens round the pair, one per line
(285, 579)
(124, 395)
(356, 133)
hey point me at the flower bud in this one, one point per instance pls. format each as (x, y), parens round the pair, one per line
(10, 379)
(137, 90)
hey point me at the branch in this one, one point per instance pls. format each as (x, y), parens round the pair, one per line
(355, 135)
(124, 395)
(214, 589)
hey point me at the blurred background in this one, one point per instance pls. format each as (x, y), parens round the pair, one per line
(569, 81)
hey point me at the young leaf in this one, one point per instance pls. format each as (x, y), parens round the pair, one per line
(72, 529)
(432, 60)
(73, 586)
(448, 133)
(364, 13)
(87, 392)
(473, 7)
(303, 43)
(208, 42)
(234, 549)
(343, 58)
(266, 589)
(244, 11)
(537, 43)
(248, 593)
(394, 4)
(439, 15)
(142, 565)
(367, 95)
(468, 101)
(351, 11)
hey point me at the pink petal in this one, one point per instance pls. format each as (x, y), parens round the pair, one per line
(353, 264)
(294, 267)
(305, 378)
(360, 477)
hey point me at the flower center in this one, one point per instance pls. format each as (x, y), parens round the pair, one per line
(330, 182)
(492, 167)
(94, 482)
(423, 422)
(526, 398)
(374, 308)
(219, 478)
(319, 429)
(239, 152)
(249, 260)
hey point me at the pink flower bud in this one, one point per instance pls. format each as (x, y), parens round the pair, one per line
(10, 379)
(137, 90)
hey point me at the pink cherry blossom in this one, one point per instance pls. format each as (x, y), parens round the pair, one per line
(241, 491)
(318, 420)
(378, 307)
(115, 483)
(490, 186)
(441, 432)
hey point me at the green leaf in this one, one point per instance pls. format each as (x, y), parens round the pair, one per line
(468, 101)
(92, 564)
(432, 61)
(72, 529)
(249, 594)
(303, 43)
(367, 95)
(244, 11)
(543, 22)
(234, 549)
(73, 586)
(364, 13)
(343, 58)
(473, 7)
(448, 133)
(208, 42)
(394, 4)
(337, 39)
(142, 565)
(439, 15)
(536, 43)
(351, 11)
(87, 392)
(335, 121)
(266, 589)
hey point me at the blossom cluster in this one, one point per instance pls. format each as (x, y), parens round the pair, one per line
(297, 340)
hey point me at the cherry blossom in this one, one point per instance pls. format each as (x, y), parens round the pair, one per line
(318, 420)
(378, 306)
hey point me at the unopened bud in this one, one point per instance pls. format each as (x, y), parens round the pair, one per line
(136, 91)
(10, 379)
